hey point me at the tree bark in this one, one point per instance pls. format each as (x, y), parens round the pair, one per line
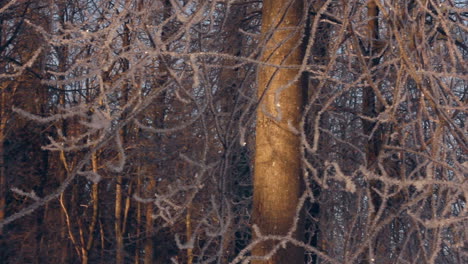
(3, 182)
(277, 176)
(119, 251)
(370, 109)
(92, 226)
(149, 226)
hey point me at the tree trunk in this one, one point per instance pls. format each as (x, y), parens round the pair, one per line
(188, 234)
(3, 182)
(320, 56)
(277, 176)
(3, 190)
(138, 218)
(119, 225)
(370, 109)
(230, 83)
(119, 251)
(149, 227)
(92, 226)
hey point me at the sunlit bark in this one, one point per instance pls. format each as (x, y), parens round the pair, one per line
(188, 234)
(119, 225)
(86, 248)
(277, 178)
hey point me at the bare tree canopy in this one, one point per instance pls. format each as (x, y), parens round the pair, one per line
(233, 131)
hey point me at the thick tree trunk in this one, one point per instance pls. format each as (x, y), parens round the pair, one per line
(277, 178)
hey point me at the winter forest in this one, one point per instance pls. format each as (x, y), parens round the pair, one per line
(233, 131)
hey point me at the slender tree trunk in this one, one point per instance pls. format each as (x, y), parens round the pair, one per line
(119, 224)
(92, 226)
(5, 103)
(188, 233)
(370, 109)
(138, 217)
(320, 56)
(277, 178)
(3, 182)
(41, 217)
(369, 102)
(149, 227)
(43, 166)
(3, 119)
(67, 233)
(3, 189)
(151, 256)
(230, 81)
(119, 258)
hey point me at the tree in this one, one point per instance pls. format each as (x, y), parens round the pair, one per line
(277, 178)
(128, 126)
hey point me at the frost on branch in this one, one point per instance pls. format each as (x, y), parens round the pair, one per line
(130, 126)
